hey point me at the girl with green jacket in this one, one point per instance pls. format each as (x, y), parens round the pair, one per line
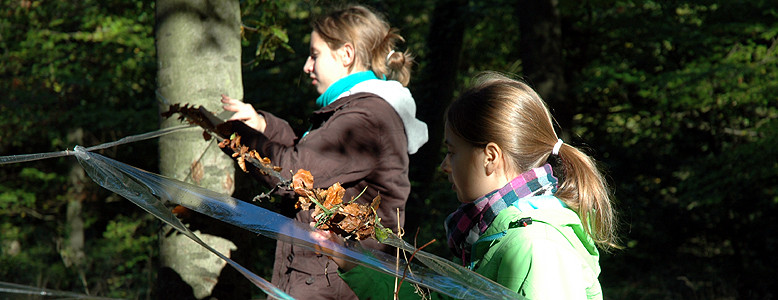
(517, 225)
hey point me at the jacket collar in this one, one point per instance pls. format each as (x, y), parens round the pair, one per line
(394, 93)
(559, 218)
(324, 113)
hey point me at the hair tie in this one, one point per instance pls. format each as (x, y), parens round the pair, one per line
(558, 145)
(389, 56)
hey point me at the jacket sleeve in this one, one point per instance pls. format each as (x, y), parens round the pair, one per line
(278, 130)
(371, 284)
(250, 137)
(344, 149)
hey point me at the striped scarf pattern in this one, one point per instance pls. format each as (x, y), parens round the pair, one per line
(470, 220)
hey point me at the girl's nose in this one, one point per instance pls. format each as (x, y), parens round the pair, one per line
(444, 165)
(308, 67)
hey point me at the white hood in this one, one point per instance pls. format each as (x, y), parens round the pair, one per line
(399, 97)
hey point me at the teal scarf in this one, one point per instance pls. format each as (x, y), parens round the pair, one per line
(341, 86)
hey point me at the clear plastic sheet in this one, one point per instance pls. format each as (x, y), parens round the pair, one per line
(154, 193)
(151, 192)
(104, 174)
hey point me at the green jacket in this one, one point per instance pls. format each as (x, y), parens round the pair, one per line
(551, 258)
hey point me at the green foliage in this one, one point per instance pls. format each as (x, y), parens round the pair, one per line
(491, 40)
(125, 259)
(264, 26)
(20, 201)
(71, 64)
(75, 72)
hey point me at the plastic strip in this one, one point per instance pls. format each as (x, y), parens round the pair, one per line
(31, 157)
(13, 288)
(140, 137)
(134, 138)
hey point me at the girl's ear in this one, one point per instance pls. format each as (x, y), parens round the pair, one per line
(493, 159)
(347, 54)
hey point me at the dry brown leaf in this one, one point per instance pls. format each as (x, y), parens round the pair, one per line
(302, 181)
(334, 196)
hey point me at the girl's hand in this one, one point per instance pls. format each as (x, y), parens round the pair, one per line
(244, 112)
(326, 241)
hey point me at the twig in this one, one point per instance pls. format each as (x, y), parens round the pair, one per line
(397, 259)
(408, 266)
(360, 195)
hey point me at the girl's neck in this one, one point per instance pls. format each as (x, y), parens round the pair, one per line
(342, 85)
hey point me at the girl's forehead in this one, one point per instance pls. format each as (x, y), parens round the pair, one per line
(452, 140)
(448, 135)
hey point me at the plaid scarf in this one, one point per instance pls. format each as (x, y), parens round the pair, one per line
(470, 220)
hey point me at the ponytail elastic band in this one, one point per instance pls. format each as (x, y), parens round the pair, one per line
(558, 145)
(389, 56)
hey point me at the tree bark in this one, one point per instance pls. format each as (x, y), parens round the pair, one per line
(541, 56)
(434, 93)
(199, 53)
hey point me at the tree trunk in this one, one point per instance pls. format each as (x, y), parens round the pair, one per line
(199, 53)
(72, 251)
(541, 56)
(435, 91)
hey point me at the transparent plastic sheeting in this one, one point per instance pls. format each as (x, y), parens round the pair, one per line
(152, 192)
(18, 289)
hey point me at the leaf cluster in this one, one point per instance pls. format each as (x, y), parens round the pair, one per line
(349, 219)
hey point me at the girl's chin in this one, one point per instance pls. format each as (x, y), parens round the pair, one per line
(463, 199)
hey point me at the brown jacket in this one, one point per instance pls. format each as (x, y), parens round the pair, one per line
(359, 141)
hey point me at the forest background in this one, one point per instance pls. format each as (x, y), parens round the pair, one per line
(676, 100)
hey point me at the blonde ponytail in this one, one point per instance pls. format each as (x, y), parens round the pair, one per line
(585, 190)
